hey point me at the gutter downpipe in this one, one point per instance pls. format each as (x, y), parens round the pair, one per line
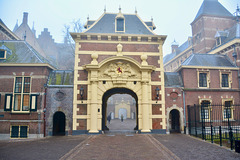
(184, 110)
(44, 111)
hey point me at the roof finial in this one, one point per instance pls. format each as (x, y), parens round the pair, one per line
(237, 13)
(151, 18)
(88, 17)
(119, 9)
(136, 10)
(105, 8)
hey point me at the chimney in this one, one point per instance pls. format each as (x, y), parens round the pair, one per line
(25, 18)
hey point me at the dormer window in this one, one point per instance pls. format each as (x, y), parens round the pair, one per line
(218, 41)
(120, 25)
(2, 54)
(120, 22)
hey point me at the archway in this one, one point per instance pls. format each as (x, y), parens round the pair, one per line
(59, 121)
(105, 98)
(174, 121)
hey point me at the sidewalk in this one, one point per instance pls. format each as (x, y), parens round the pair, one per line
(186, 147)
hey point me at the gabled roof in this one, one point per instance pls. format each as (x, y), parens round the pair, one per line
(172, 79)
(208, 60)
(20, 52)
(106, 24)
(213, 8)
(7, 31)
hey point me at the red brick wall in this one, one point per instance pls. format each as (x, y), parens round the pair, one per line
(207, 27)
(113, 47)
(37, 86)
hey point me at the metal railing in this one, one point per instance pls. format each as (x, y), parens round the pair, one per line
(215, 123)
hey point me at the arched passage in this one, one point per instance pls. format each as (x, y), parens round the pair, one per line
(174, 121)
(59, 121)
(111, 92)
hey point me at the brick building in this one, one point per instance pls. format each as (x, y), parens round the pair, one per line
(207, 63)
(23, 73)
(214, 31)
(118, 53)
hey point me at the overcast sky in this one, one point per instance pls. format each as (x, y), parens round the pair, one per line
(171, 17)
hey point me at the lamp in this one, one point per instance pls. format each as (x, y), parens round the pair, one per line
(81, 93)
(157, 90)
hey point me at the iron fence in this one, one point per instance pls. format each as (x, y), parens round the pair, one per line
(216, 123)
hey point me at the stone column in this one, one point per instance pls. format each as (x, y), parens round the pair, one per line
(145, 108)
(94, 108)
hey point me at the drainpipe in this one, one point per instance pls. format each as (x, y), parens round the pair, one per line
(184, 110)
(44, 110)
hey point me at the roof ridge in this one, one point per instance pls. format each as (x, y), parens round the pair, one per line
(94, 23)
(31, 49)
(145, 25)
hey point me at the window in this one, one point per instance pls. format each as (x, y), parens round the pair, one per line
(225, 80)
(19, 132)
(120, 25)
(205, 109)
(228, 109)
(218, 41)
(22, 94)
(2, 54)
(202, 79)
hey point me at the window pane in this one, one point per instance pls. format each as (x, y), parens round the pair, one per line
(15, 131)
(2, 53)
(17, 102)
(18, 85)
(23, 132)
(120, 24)
(227, 109)
(225, 80)
(26, 85)
(202, 79)
(205, 109)
(26, 102)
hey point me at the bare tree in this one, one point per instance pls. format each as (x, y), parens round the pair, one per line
(74, 26)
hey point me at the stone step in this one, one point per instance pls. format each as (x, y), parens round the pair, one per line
(117, 132)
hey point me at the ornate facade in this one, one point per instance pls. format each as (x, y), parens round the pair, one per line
(116, 55)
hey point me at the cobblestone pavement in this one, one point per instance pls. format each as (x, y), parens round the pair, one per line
(127, 124)
(115, 147)
(42, 149)
(120, 147)
(186, 148)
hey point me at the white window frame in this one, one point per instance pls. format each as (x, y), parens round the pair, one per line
(22, 95)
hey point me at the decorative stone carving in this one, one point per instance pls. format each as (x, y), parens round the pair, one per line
(119, 69)
(119, 48)
(59, 96)
(144, 59)
(94, 58)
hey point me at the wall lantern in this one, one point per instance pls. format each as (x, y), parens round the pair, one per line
(81, 93)
(157, 90)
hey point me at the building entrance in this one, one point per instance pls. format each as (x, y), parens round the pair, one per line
(174, 121)
(123, 103)
(59, 121)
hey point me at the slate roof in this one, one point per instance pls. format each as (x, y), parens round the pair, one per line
(22, 52)
(213, 8)
(172, 79)
(179, 50)
(229, 34)
(106, 24)
(208, 60)
(61, 77)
